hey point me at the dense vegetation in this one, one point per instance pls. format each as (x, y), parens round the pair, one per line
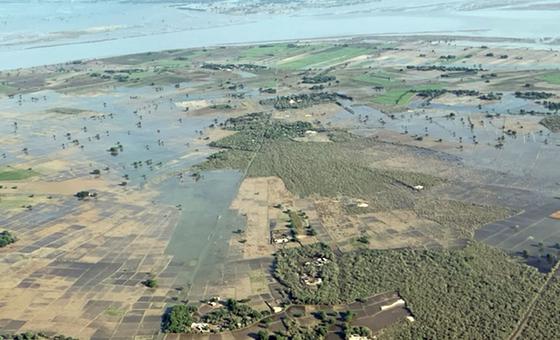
(533, 95)
(299, 101)
(318, 79)
(448, 291)
(6, 238)
(341, 168)
(179, 318)
(256, 128)
(305, 259)
(231, 316)
(544, 322)
(552, 106)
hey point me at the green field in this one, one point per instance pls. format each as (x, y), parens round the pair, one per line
(12, 174)
(402, 95)
(324, 58)
(378, 79)
(552, 78)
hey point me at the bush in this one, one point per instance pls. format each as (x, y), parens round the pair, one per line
(6, 238)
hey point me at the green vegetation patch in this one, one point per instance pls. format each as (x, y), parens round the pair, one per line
(263, 147)
(324, 58)
(6, 238)
(179, 318)
(255, 128)
(459, 217)
(544, 322)
(447, 290)
(552, 78)
(402, 95)
(233, 315)
(313, 262)
(13, 174)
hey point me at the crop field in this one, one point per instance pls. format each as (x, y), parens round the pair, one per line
(552, 78)
(11, 174)
(324, 58)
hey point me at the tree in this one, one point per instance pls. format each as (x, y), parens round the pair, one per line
(262, 335)
(178, 319)
(6, 238)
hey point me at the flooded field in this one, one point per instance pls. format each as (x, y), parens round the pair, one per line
(139, 183)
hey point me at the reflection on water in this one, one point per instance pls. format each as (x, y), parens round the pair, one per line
(200, 240)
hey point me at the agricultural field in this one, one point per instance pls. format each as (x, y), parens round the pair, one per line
(387, 187)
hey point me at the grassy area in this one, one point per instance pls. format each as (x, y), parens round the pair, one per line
(13, 174)
(552, 78)
(5, 89)
(402, 95)
(324, 58)
(544, 322)
(377, 79)
(397, 96)
(14, 201)
(448, 291)
(258, 52)
(113, 311)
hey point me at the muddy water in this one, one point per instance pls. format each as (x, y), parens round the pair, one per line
(200, 240)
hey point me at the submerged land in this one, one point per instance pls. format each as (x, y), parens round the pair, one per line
(394, 187)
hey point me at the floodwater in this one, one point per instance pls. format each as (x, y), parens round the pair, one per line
(529, 154)
(39, 33)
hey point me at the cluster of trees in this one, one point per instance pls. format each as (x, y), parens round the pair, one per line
(233, 315)
(552, 106)
(257, 128)
(6, 238)
(226, 67)
(434, 93)
(81, 195)
(533, 95)
(318, 79)
(447, 290)
(444, 68)
(299, 101)
(544, 322)
(179, 318)
(491, 96)
(291, 268)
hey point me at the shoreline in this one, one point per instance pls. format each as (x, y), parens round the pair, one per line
(413, 36)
